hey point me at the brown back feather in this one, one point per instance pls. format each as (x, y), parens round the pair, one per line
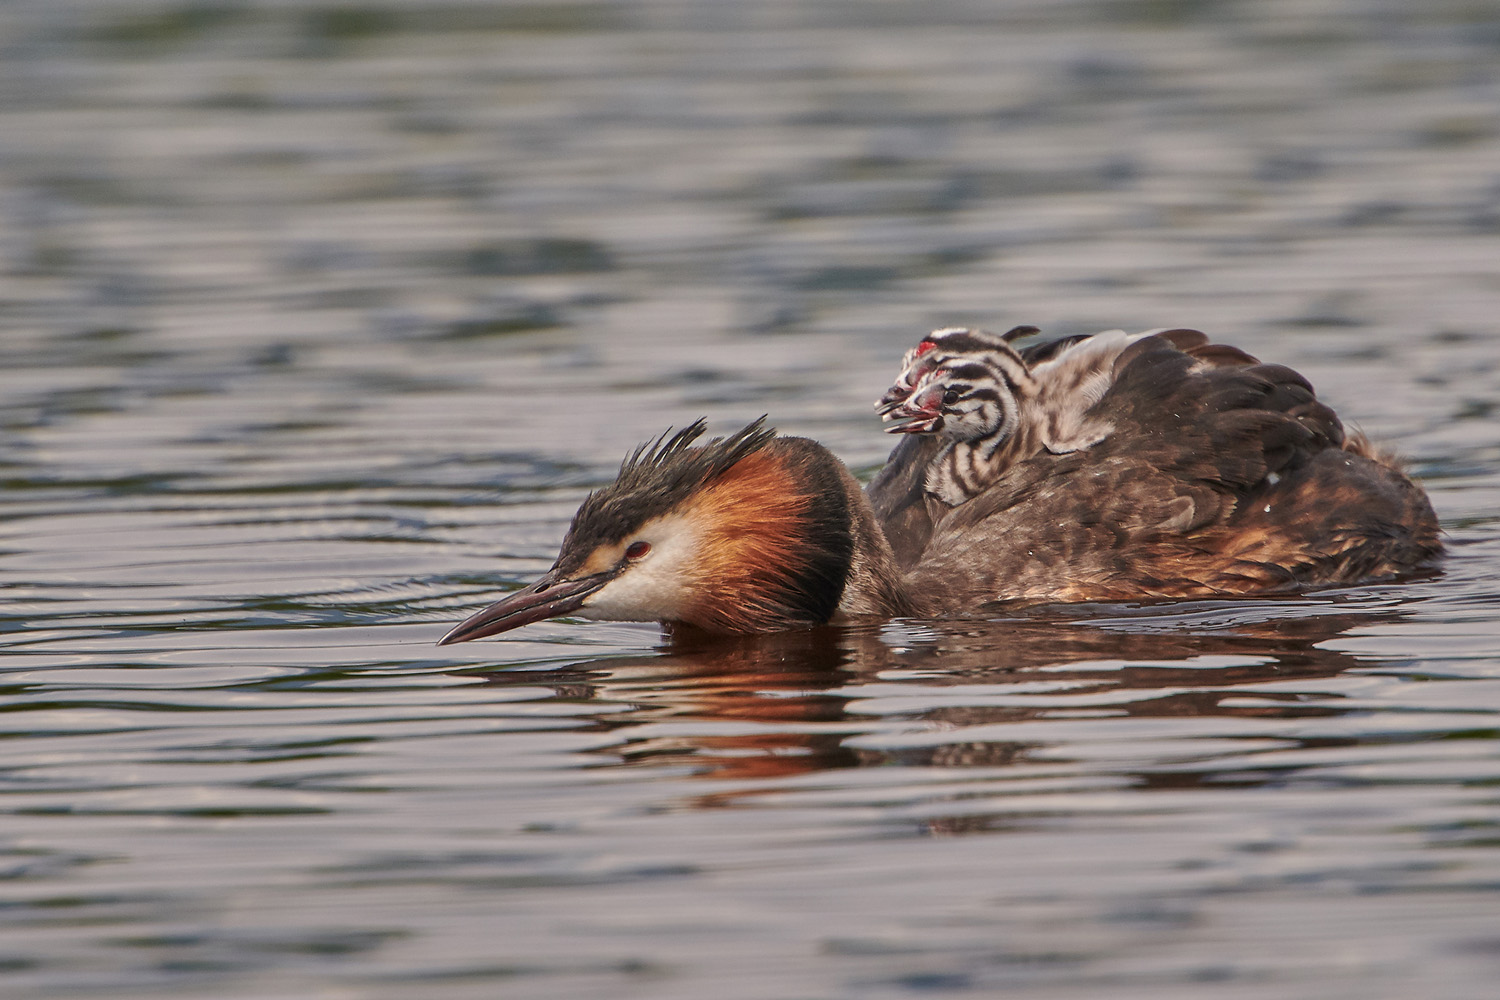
(898, 496)
(1222, 476)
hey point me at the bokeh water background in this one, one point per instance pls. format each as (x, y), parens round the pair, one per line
(317, 320)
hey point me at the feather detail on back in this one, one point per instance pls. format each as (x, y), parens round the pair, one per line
(1221, 476)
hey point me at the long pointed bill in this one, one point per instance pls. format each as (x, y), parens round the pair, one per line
(549, 597)
(921, 412)
(894, 397)
(916, 427)
(909, 418)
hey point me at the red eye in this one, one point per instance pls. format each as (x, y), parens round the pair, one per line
(637, 549)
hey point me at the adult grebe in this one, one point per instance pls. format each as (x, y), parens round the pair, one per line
(1127, 467)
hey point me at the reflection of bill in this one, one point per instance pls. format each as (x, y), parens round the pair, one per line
(999, 693)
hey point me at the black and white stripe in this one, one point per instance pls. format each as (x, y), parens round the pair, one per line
(994, 408)
(983, 399)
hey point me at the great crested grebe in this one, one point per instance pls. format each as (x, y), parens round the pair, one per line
(1103, 468)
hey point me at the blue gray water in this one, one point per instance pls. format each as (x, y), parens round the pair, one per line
(317, 321)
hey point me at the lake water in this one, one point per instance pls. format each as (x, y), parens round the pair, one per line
(317, 321)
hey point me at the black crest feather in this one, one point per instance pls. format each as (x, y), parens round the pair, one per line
(656, 477)
(672, 460)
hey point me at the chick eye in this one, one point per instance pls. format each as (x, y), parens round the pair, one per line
(950, 397)
(635, 550)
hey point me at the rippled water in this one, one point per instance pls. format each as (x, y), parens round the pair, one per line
(318, 321)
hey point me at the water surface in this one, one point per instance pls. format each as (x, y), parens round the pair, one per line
(318, 322)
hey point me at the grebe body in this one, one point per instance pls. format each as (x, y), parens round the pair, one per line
(1113, 467)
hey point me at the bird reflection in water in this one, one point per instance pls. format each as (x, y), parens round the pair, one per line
(779, 705)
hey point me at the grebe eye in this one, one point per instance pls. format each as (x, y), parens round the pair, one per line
(950, 397)
(636, 550)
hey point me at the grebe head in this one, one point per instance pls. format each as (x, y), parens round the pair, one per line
(961, 383)
(941, 347)
(745, 533)
(963, 400)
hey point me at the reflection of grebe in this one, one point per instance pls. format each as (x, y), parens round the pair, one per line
(1158, 466)
(795, 702)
